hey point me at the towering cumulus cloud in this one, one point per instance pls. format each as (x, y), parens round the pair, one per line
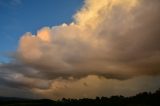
(110, 38)
(108, 42)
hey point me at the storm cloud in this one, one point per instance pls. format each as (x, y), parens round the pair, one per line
(109, 41)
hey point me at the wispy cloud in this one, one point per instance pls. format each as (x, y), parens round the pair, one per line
(16, 2)
(10, 3)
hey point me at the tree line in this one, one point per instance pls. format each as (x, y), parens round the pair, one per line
(141, 99)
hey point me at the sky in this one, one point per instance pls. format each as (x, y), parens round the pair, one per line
(20, 16)
(79, 48)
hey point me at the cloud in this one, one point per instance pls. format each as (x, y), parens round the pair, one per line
(21, 81)
(116, 39)
(10, 3)
(92, 86)
(111, 44)
(16, 2)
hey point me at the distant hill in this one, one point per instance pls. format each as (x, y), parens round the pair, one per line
(11, 98)
(141, 99)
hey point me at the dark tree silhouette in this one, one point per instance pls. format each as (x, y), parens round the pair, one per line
(141, 99)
